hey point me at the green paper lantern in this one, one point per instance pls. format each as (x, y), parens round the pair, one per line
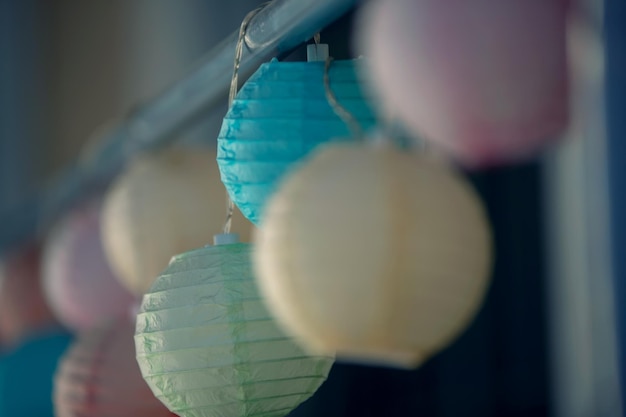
(208, 347)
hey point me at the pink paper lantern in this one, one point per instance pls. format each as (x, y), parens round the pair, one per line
(99, 376)
(78, 283)
(485, 79)
(23, 308)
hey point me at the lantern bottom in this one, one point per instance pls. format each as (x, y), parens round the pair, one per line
(390, 356)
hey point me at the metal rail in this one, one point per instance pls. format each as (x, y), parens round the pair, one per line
(278, 28)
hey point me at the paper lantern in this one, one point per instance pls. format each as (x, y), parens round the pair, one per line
(78, 283)
(166, 203)
(486, 80)
(208, 347)
(99, 376)
(280, 114)
(26, 376)
(23, 309)
(378, 255)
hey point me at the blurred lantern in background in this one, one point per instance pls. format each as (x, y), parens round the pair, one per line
(484, 79)
(78, 283)
(164, 204)
(23, 308)
(26, 376)
(99, 376)
(280, 114)
(378, 255)
(207, 346)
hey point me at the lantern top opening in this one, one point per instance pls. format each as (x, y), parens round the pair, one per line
(225, 239)
(317, 52)
(210, 249)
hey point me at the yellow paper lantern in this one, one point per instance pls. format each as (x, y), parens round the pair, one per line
(378, 255)
(166, 203)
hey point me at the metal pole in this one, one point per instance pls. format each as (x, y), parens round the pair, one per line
(281, 26)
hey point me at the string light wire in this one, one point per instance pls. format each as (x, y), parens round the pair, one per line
(234, 86)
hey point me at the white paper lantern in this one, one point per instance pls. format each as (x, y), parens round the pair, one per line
(78, 283)
(98, 376)
(486, 80)
(378, 255)
(166, 203)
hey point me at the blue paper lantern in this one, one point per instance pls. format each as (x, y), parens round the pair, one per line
(26, 375)
(280, 115)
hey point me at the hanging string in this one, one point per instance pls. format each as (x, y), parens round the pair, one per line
(348, 118)
(391, 134)
(234, 86)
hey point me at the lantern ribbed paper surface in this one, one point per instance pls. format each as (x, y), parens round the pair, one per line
(486, 80)
(378, 255)
(208, 347)
(99, 376)
(280, 114)
(23, 308)
(166, 203)
(26, 376)
(78, 283)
